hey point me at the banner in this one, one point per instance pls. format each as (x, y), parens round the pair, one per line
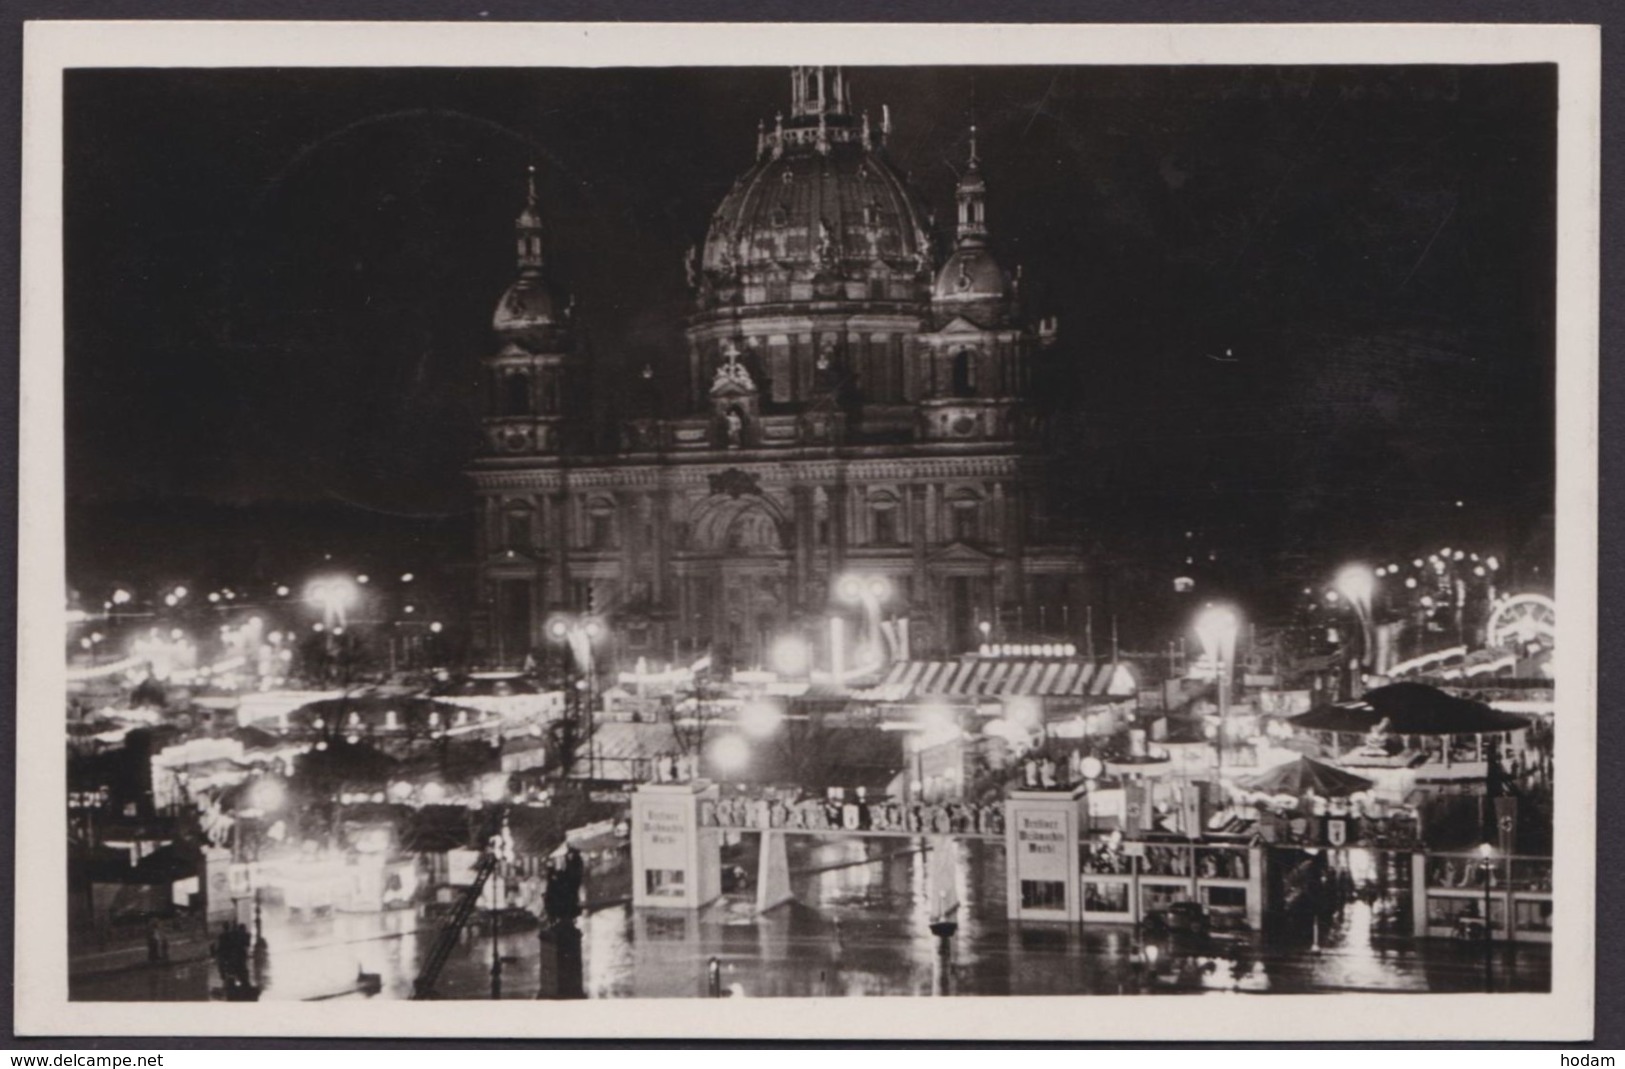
(815, 814)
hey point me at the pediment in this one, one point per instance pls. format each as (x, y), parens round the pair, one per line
(960, 325)
(962, 551)
(511, 558)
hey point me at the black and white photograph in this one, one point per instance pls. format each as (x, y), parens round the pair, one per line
(702, 527)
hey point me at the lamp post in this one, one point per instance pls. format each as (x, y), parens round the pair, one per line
(265, 797)
(1486, 855)
(580, 633)
(1216, 628)
(495, 791)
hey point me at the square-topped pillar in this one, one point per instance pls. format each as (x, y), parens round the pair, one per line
(1041, 830)
(676, 863)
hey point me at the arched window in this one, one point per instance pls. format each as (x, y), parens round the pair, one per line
(964, 373)
(517, 528)
(516, 394)
(600, 525)
(967, 520)
(883, 520)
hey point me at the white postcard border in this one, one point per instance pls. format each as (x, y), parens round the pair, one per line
(42, 1006)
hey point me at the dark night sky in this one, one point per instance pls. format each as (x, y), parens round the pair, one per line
(279, 282)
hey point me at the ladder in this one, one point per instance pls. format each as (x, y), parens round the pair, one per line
(446, 941)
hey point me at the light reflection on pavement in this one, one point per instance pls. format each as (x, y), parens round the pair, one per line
(857, 928)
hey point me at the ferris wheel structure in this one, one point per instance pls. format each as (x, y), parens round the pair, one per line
(1520, 622)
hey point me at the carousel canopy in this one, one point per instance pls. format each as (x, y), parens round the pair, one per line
(1409, 709)
(486, 685)
(1307, 776)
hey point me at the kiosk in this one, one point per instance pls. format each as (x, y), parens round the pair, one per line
(1042, 828)
(676, 864)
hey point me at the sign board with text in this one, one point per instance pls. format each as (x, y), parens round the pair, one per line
(1041, 848)
(676, 863)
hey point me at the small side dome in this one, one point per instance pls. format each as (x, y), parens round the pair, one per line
(971, 274)
(531, 302)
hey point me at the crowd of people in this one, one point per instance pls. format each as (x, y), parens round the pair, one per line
(232, 951)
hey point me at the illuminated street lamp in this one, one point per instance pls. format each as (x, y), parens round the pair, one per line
(1216, 628)
(90, 642)
(333, 596)
(1357, 583)
(870, 592)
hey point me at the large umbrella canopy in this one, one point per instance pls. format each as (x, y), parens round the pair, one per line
(371, 712)
(1409, 709)
(511, 697)
(486, 685)
(1307, 776)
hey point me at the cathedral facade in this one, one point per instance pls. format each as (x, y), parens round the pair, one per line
(857, 415)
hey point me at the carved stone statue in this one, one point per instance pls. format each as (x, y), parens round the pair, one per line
(736, 428)
(691, 267)
(824, 251)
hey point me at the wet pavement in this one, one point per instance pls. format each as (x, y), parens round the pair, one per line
(858, 927)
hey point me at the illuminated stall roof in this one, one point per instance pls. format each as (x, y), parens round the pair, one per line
(997, 678)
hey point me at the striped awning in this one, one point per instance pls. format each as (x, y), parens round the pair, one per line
(988, 678)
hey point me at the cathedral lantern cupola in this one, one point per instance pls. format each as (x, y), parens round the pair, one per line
(532, 379)
(971, 194)
(975, 362)
(971, 284)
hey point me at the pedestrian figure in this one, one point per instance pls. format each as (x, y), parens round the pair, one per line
(241, 942)
(222, 953)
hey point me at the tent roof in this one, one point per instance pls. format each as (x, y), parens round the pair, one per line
(1409, 709)
(1305, 776)
(486, 686)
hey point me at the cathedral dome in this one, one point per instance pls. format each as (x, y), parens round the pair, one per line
(822, 202)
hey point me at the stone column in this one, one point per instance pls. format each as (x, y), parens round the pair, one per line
(839, 517)
(917, 539)
(801, 497)
(632, 548)
(559, 501)
(659, 503)
(1014, 530)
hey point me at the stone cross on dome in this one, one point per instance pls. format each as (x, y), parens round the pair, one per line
(732, 376)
